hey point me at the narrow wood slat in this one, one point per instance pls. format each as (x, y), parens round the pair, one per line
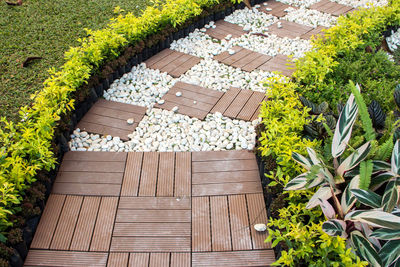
(232, 26)
(180, 260)
(236, 106)
(187, 100)
(94, 156)
(226, 189)
(201, 235)
(80, 166)
(217, 33)
(222, 155)
(159, 260)
(226, 54)
(149, 216)
(225, 165)
(154, 203)
(159, 56)
(66, 224)
(220, 228)
(166, 60)
(107, 121)
(185, 110)
(225, 100)
(257, 214)
(104, 224)
(260, 60)
(241, 238)
(105, 130)
(85, 225)
(165, 182)
(234, 258)
(237, 56)
(176, 63)
(183, 174)
(198, 89)
(139, 259)
(203, 94)
(86, 189)
(320, 4)
(148, 180)
(315, 32)
(251, 106)
(118, 260)
(48, 222)
(257, 113)
(150, 244)
(121, 106)
(130, 184)
(152, 229)
(246, 60)
(89, 177)
(65, 258)
(187, 65)
(340, 10)
(113, 113)
(225, 177)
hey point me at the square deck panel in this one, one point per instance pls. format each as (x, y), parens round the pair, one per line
(109, 117)
(277, 8)
(223, 29)
(280, 63)
(330, 7)
(316, 31)
(173, 62)
(235, 258)
(239, 104)
(289, 29)
(195, 101)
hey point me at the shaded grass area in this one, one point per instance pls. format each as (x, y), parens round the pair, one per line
(44, 29)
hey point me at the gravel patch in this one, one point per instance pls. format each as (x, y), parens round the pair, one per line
(252, 20)
(310, 17)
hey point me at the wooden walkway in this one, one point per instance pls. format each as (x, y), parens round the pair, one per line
(154, 209)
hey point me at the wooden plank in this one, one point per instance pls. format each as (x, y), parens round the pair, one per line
(241, 238)
(104, 224)
(245, 60)
(226, 189)
(149, 216)
(89, 177)
(257, 214)
(226, 54)
(130, 184)
(234, 258)
(315, 32)
(222, 155)
(198, 89)
(158, 57)
(236, 106)
(257, 113)
(216, 33)
(225, 100)
(166, 169)
(104, 130)
(154, 203)
(185, 66)
(85, 225)
(86, 189)
(187, 101)
(251, 106)
(159, 260)
(320, 4)
(237, 56)
(180, 260)
(176, 63)
(150, 244)
(166, 60)
(152, 229)
(118, 259)
(108, 121)
(80, 166)
(201, 235)
(225, 165)
(183, 174)
(121, 106)
(225, 177)
(48, 222)
(114, 113)
(220, 228)
(94, 156)
(185, 110)
(139, 259)
(234, 27)
(204, 95)
(278, 8)
(260, 60)
(65, 258)
(148, 180)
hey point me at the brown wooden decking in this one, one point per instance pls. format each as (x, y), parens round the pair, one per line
(277, 8)
(330, 7)
(223, 29)
(289, 29)
(171, 209)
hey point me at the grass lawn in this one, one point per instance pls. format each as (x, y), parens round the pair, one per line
(44, 29)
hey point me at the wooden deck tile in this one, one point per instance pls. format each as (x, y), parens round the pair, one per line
(48, 222)
(104, 224)
(201, 235)
(238, 103)
(90, 177)
(159, 56)
(180, 260)
(225, 100)
(118, 260)
(251, 106)
(226, 54)
(154, 203)
(241, 63)
(166, 174)
(139, 259)
(289, 29)
(65, 258)
(222, 155)
(85, 225)
(87, 189)
(130, 185)
(257, 214)
(92, 166)
(107, 117)
(148, 179)
(198, 89)
(66, 225)
(224, 165)
(224, 28)
(150, 244)
(278, 8)
(330, 7)
(316, 31)
(260, 60)
(149, 216)
(226, 188)
(187, 65)
(152, 229)
(234, 258)
(159, 260)
(183, 174)
(279, 63)
(225, 177)
(98, 156)
(220, 228)
(241, 238)
(244, 58)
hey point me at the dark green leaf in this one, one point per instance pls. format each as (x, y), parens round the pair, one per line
(379, 179)
(368, 198)
(386, 234)
(390, 252)
(390, 196)
(396, 158)
(375, 218)
(396, 96)
(377, 115)
(335, 227)
(364, 249)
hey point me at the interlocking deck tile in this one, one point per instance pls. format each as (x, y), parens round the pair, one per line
(205, 98)
(154, 203)
(234, 258)
(159, 260)
(65, 258)
(278, 8)
(224, 28)
(257, 214)
(152, 229)
(279, 63)
(226, 100)
(330, 7)
(201, 235)
(173, 62)
(220, 227)
(180, 260)
(314, 32)
(118, 260)
(251, 107)
(183, 174)
(139, 259)
(224, 165)
(150, 244)
(166, 174)
(148, 179)
(108, 117)
(241, 238)
(289, 29)
(130, 184)
(222, 155)
(236, 106)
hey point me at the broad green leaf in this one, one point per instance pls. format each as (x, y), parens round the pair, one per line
(313, 156)
(335, 227)
(354, 159)
(365, 174)
(390, 252)
(375, 218)
(386, 234)
(303, 161)
(364, 249)
(327, 209)
(390, 196)
(366, 230)
(348, 199)
(324, 193)
(297, 183)
(380, 166)
(344, 127)
(379, 179)
(396, 158)
(368, 198)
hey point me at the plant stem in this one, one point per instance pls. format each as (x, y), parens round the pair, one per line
(337, 203)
